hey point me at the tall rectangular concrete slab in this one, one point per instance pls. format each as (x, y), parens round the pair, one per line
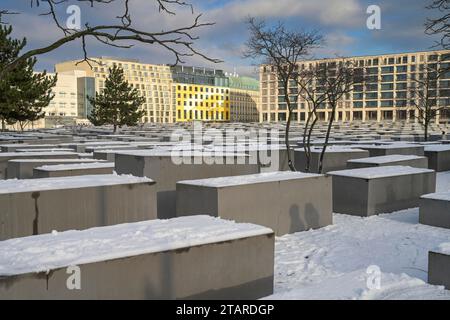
(70, 170)
(390, 160)
(438, 157)
(286, 202)
(439, 268)
(6, 156)
(403, 149)
(370, 191)
(216, 259)
(167, 171)
(435, 209)
(37, 206)
(23, 168)
(334, 158)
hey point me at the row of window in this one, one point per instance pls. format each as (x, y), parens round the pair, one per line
(202, 115)
(202, 104)
(202, 89)
(376, 61)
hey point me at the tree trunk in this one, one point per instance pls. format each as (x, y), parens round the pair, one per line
(327, 137)
(286, 140)
(305, 147)
(3, 125)
(114, 128)
(310, 131)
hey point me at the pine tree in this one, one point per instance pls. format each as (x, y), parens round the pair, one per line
(23, 93)
(118, 104)
(33, 95)
(9, 50)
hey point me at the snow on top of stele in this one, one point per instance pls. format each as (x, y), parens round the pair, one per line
(437, 148)
(400, 145)
(46, 252)
(379, 172)
(179, 151)
(28, 154)
(333, 149)
(249, 179)
(32, 185)
(96, 164)
(443, 196)
(443, 248)
(386, 159)
(50, 160)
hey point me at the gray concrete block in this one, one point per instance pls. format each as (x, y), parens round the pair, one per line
(6, 156)
(161, 167)
(216, 259)
(335, 158)
(23, 146)
(286, 202)
(371, 191)
(23, 168)
(435, 209)
(391, 160)
(439, 268)
(438, 157)
(37, 206)
(385, 150)
(70, 170)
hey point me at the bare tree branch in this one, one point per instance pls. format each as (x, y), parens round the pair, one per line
(441, 25)
(178, 41)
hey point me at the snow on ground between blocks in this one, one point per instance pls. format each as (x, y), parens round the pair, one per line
(332, 262)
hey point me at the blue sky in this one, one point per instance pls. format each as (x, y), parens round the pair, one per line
(342, 23)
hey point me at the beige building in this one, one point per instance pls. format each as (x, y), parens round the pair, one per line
(385, 95)
(154, 82)
(69, 104)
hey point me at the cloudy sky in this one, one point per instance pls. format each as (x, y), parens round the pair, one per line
(342, 23)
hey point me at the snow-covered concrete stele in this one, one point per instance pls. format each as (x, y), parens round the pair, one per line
(395, 148)
(438, 157)
(37, 206)
(391, 160)
(286, 202)
(198, 257)
(23, 168)
(435, 209)
(439, 266)
(370, 191)
(67, 170)
(335, 158)
(160, 167)
(6, 156)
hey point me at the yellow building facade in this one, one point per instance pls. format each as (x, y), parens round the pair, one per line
(202, 102)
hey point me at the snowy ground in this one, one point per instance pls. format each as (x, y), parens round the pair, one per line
(333, 262)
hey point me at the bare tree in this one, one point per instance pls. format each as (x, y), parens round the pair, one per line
(281, 50)
(119, 33)
(338, 79)
(440, 25)
(423, 93)
(311, 91)
(324, 84)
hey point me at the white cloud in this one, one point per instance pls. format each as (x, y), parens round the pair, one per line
(327, 12)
